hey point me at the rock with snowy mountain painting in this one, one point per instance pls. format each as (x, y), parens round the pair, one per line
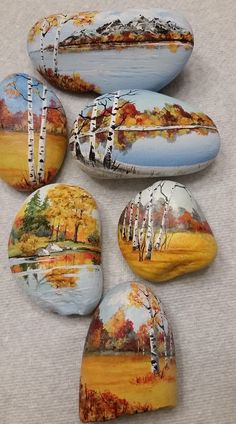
(33, 135)
(128, 364)
(107, 51)
(163, 233)
(139, 133)
(55, 250)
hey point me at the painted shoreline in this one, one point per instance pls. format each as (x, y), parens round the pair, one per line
(126, 171)
(116, 45)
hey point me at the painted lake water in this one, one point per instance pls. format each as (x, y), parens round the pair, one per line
(187, 149)
(127, 68)
(41, 278)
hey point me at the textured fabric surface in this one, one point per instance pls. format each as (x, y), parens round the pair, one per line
(40, 353)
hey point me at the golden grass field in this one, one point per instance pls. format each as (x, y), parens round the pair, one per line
(13, 156)
(117, 374)
(186, 252)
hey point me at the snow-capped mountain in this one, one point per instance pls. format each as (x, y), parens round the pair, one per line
(137, 26)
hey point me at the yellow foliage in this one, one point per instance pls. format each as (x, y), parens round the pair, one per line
(62, 278)
(28, 244)
(115, 322)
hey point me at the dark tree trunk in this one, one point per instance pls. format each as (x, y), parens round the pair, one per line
(65, 230)
(75, 238)
(57, 232)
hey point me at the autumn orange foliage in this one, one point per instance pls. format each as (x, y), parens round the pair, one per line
(61, 278)
(96, 406)
(72, 82)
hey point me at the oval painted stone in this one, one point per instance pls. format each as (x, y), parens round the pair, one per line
(107, 51)
(163, 233)
(55, 249)
(137, 133)
(131, 339)
(33, 132)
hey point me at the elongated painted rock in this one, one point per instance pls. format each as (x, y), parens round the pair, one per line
(163, 233)
(136, 133)
(33, 136)
(107, 51)
(55, 250)
(131, 338)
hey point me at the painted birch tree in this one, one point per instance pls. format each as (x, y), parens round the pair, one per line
(92, 133)
(142, 297)
(123, 231)
(107, 160)
(42, 137)
(130, 226)
(135, 241)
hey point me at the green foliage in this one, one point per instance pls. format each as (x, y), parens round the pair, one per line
(35, 221)
(94, 238)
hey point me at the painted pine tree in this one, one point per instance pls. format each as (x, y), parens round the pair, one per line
(42, 138)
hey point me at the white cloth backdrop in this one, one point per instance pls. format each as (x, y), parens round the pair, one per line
(40, 353)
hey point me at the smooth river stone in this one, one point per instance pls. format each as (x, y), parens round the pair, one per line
(163, 233)
(55, 249)
(33, 132)
(128, 364)
(138, 133)
(107, 51)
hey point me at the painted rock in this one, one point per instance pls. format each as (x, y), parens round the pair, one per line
(131, 338)
(137, 133)
(163, 233)
(33, 136)
(106, 51)
(55, 249)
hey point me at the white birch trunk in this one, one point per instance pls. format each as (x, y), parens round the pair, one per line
(142, 233)
(31, 164)
(61, 20)
(42, 137)
(155, 366)
(129, 234)
(135, 240)
(149, 235)
(123, 233)
(111, 132)
(92, 132)
(163, 220)
(42, 35)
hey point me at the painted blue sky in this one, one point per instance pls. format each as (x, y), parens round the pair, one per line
(108, 16)
(17, 103)
(118, 297)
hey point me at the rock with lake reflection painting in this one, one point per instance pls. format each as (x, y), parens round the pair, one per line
(163, 233)
(110, 50)
(55, 249)
(131, 338)
(33, 136)
(138, 133)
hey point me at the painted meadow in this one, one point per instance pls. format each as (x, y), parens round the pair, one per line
(54, 249)
(32, 132)
(130, 338)
(123, 130)
(163, 233)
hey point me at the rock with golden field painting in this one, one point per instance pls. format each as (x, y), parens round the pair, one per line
(163, 233)
(33, 133)
(55, 250)
(131, 339)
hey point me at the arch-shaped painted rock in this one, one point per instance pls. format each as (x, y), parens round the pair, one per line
(131, 338)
